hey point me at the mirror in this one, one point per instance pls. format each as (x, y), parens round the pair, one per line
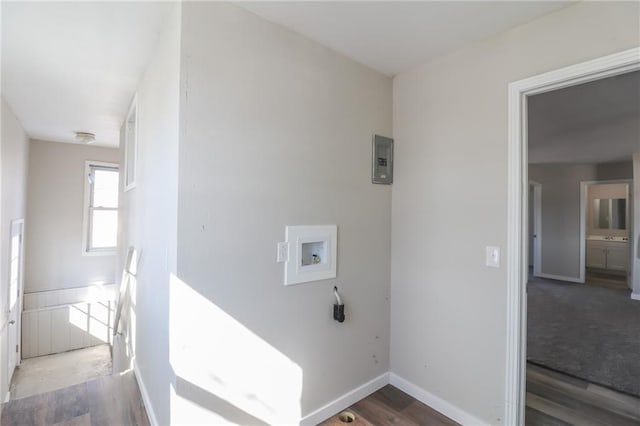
(610, 213)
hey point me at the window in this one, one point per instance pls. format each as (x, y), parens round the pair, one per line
(101, 208)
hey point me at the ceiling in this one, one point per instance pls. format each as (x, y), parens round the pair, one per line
(74, 66)
(596, 122)
(394, 36)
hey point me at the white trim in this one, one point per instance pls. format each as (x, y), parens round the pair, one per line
(52, 285)
(130, 181)
(517, 177)
(537, 227)
(583, 231)
(20, 301)
(435, 402)
(344, 401)
(635, 296)
(85, 215)
(296, 236)
(562, 278)
(153, 420)
(7, 397)
(583, 219)
(20, 290)
(607, 66)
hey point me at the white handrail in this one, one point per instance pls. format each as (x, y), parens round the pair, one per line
(129, 272)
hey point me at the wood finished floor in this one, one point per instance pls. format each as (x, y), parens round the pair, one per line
(106, 401)
(555, 399)
(391, 406)
(602, 279)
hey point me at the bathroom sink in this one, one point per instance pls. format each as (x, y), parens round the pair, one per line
(607, 238)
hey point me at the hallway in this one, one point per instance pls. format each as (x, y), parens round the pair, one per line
(201, 135)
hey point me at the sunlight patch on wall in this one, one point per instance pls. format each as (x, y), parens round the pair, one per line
(225, 372)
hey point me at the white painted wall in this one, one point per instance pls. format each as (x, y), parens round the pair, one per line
(276, 130)
(613, 171)
(148, 223)
(560, 234)
(14, 147)
(448, 311)
(561, 211)
(54, 246)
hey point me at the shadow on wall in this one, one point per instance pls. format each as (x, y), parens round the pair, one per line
(199, 399)
(223, 371)
(94, 318)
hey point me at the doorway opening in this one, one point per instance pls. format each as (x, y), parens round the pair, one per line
(16, 264)
(517, 266)
(606, 212)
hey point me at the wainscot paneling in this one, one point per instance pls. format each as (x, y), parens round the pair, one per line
(62, 320)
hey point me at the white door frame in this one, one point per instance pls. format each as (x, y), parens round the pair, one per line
(517, 226)
(537, 227)
(17, 225)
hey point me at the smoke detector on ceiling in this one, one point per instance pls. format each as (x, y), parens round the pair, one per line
(85, 137)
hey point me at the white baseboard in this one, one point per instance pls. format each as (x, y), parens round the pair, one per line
(560, 278)
(350, 398)
(346, 400)
(434, 402)
(635, 296)
(153, 420)
(7, 397)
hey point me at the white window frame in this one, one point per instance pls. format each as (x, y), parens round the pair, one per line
(86, 221)
(131, 145)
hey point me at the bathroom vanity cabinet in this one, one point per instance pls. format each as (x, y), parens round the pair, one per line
(608, 255)
(608, 227)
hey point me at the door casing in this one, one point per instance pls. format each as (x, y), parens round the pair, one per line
(517, 208)
(16, 284)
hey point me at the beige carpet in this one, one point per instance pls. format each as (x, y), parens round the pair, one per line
(589, 332)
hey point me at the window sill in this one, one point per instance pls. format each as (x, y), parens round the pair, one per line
(100, 252)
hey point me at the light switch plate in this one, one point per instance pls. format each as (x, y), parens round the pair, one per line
(493, 257)
(283, 252)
